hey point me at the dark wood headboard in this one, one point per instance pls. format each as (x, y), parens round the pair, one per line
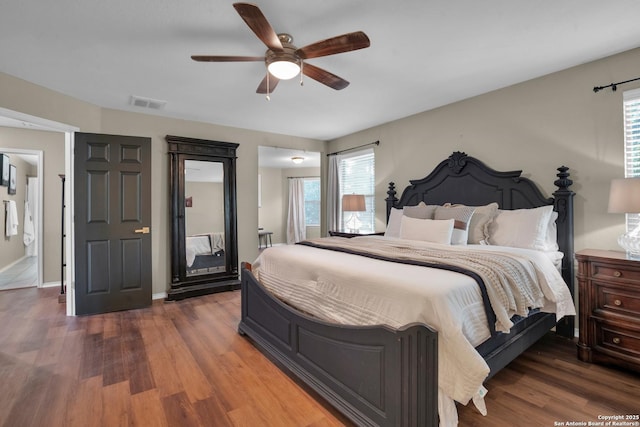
(464, 179)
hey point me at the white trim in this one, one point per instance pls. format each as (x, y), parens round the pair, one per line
(160, 295)
(50, 125)
(51, 284)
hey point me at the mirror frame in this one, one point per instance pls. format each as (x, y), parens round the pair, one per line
(181, 149)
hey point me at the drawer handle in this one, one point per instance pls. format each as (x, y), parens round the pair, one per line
(617, 340)
(617, 302)
(617, 274)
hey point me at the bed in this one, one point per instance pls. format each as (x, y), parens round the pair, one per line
(205, 253)
(388, 376)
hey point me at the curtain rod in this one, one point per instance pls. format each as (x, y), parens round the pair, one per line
(614, 86)
(293, 177)
(353, 148)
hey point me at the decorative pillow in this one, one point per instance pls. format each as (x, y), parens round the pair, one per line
(393, 226)
(481, 216)
(462, 216)
(523, 228)
(421, 211)
(427, 230)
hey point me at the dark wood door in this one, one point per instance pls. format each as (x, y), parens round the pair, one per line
(112, 201)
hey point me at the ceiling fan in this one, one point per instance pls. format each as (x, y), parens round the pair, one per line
(284, 60)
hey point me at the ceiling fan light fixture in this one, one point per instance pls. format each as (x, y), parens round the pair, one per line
(297, 159)
(284, 69)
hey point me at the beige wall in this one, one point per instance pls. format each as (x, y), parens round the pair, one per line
(24, 97)
(535, 126)
(207, 213)
(52, 146)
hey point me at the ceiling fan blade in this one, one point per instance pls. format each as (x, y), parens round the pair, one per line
(324, 77)
(222, 58)
(344, 43)
(254, 18)
(273, 82)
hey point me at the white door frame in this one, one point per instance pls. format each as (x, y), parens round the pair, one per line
(38, 123)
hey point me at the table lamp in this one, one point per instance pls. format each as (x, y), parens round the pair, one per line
(353, 203)
(624, 197)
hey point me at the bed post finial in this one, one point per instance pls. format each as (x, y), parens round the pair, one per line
(391, 198)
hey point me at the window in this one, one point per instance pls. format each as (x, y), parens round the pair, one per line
(357, 176)
(312, 201)
(632, 143)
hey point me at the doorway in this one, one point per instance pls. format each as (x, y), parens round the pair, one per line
(276, 167)
(21, 261)
(15, 119)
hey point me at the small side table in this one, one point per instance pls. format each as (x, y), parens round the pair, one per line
(264, 237)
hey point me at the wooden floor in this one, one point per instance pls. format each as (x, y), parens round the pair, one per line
(183, 364)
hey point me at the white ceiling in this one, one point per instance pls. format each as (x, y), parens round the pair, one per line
(423, 54)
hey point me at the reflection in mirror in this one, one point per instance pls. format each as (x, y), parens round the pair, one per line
(204, 217)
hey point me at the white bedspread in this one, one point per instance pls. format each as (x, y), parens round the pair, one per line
(351, 289)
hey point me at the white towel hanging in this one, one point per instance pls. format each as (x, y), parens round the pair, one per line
(11, 214)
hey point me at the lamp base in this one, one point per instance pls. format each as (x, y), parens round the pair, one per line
(630, 242)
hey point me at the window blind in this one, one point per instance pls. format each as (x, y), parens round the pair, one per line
(632, 143)
(357, 176)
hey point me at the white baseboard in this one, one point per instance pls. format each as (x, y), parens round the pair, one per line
(2, 270)
(51, 285)
(161, 295)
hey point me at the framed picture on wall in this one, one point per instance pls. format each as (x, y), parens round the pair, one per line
(4, 170)
(12, 179)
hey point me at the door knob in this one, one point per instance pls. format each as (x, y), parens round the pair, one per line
(143, 230)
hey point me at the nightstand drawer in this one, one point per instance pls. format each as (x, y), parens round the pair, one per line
(618, 340)
(608, 271)
(618, 301)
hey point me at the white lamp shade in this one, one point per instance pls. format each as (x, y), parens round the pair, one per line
(624, 196)
(353, 203)
(284, 70)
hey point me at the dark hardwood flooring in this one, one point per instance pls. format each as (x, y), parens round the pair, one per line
(183, 364)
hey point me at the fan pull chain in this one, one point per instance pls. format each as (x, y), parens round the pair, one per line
(268, 97)
(301, 69)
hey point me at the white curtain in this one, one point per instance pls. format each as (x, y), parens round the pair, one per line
(333, 195)
(296, 230)
(31, 218)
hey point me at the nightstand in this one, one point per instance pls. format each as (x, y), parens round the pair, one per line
(609, 291)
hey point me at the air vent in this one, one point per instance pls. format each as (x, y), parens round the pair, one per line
(154, 104)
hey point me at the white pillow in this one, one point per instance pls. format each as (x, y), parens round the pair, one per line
(393, 226)
(552, 233)
(462, 216)
(523, 228)
(427, 230)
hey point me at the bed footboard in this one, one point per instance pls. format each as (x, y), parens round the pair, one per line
(374, 375)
